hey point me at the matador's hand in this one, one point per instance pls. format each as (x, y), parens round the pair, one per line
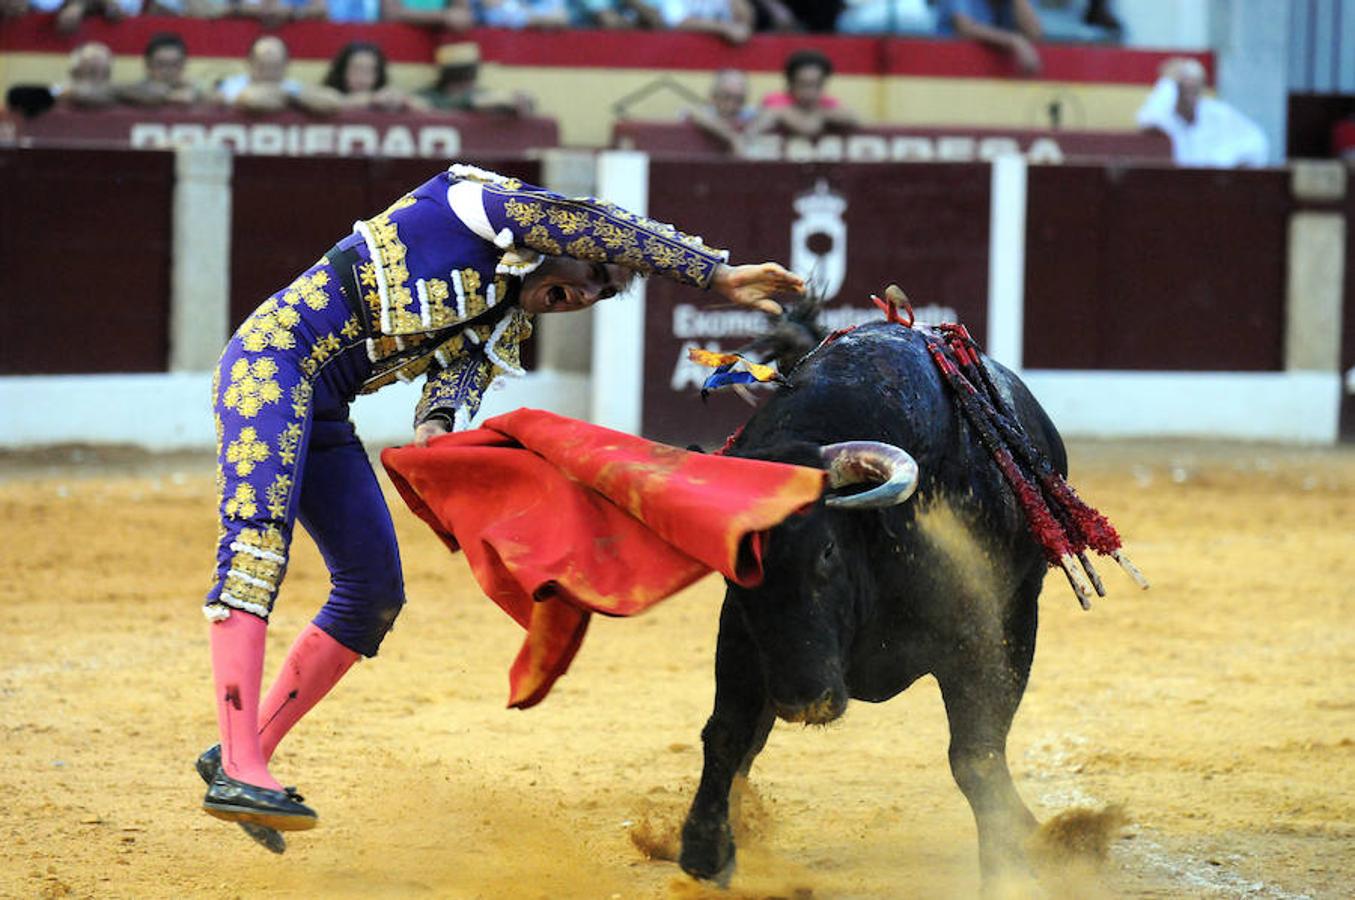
(429, 430)
(756, 286)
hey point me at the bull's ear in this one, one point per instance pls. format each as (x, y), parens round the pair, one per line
(797, 453)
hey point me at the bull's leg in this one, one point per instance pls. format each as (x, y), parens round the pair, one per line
(982, 691)
(736, 731)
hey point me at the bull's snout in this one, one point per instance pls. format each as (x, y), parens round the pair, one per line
(829, 706)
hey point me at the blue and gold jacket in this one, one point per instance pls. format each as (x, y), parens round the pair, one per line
(458, 246)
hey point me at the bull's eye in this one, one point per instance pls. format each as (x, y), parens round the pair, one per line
(829, 548)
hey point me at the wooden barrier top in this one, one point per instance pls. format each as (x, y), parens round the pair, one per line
(354, 133)
(900, 143)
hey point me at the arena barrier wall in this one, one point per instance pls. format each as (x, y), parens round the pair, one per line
(354, 134)
(899, 143)
(1136, 302)
(916, 82)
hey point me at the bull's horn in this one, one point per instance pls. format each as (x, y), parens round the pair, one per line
(857, 462)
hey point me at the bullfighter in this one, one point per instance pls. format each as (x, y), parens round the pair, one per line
(444, 284)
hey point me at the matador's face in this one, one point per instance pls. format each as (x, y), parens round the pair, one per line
(561, 284)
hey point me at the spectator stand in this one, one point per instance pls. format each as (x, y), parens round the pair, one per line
(901, 81)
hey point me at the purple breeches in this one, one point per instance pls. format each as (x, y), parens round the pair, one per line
(286, 450)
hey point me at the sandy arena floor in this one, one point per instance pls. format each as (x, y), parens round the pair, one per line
(1218, 709)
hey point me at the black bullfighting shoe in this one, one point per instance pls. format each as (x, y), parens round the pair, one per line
(208, 764)
(236, 801)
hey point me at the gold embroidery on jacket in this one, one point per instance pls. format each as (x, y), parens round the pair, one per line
(524, 213)
(390, 252)
(586, 248)
(438, 293)
(539, 239)
(569, 221)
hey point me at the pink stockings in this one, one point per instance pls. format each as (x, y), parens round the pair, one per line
(250, 734)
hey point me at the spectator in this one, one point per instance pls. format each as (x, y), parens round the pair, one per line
(1010, 26)
(266, 88)
(524, 13)
(165, 56)
(72, 12)
(887, 17)
(804, 109)
(457, 90)
(89, 83)
(1203, 131)
(728, 19)
(728, 114)
(358, 75)
(453, 15)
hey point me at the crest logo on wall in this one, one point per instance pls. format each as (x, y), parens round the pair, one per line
(818, 239)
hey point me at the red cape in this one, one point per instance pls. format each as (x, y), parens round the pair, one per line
(559, 519)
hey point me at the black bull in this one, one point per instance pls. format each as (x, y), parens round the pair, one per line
(861, 603)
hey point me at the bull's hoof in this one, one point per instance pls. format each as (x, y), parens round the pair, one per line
(708, 851)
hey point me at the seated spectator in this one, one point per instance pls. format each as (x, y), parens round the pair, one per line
(1203, 131)
(524, 13)
(728, 114)
(453, 15)
(12, 9)
(89, 83)
(72, 12)
(804, 109)
(265, 87)
(456, 89)
(165, 56)
(887, 17)
(358, 75)
(731, 20)
(1010, 26)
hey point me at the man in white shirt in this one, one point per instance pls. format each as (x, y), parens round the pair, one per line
(265, 88)
(1204, 131)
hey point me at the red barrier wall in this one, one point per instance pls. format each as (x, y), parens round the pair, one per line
(84, 261)
(1142, 269)
(1156, 269)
